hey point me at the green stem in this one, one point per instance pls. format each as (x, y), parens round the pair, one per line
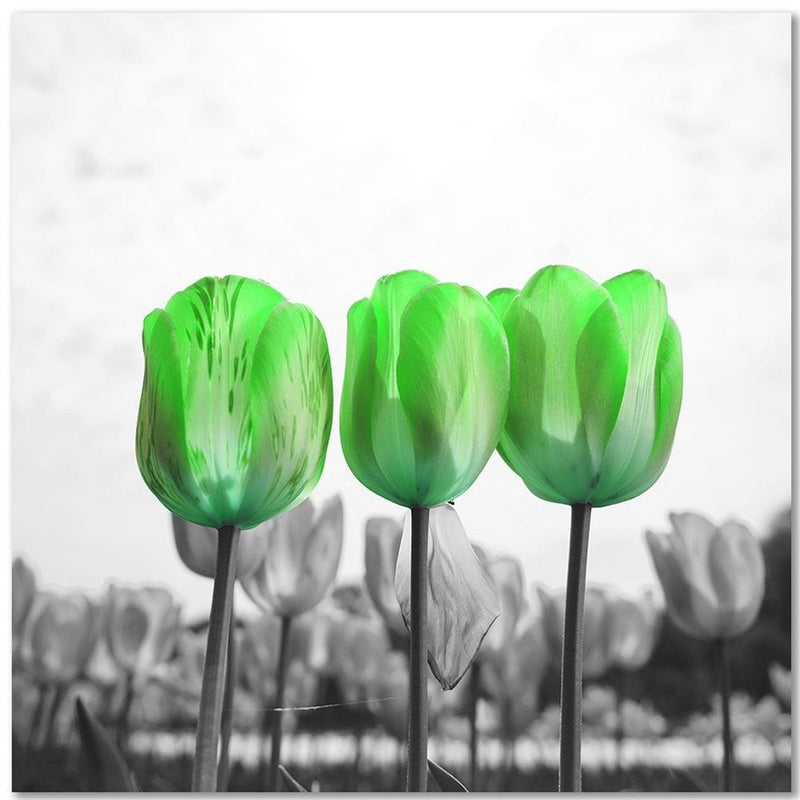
(277, 718)
(204, 772)
(724, 673)
(474, 685)
(226, 726)
(417, 765)
(569, 771)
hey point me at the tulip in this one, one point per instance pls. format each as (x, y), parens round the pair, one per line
(713, 583)
(236, 405)
(425, 388)
(233, 427)
(381, 546)
(596, 387)
(514, 681)
(423, 402)
(197, 548)
(633, 626)
(23, 591)
(56, 644)
(595, 654)
(302, 557)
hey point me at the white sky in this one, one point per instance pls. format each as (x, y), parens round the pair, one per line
(319, 152)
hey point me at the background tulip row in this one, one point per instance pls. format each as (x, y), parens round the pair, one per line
(650, 703)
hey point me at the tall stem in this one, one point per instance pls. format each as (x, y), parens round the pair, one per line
(569, 771)
(277, 718)
(226, 726)
(204, 771)
(724, 674)
(417, 766)
(474, 684)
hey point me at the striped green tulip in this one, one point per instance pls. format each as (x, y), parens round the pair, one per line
(425, 388)
(236, 405)
(596, 384)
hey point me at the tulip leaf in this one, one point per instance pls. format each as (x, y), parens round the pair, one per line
(444, 780)
(462, 599)
(292, 784)
(105, 768)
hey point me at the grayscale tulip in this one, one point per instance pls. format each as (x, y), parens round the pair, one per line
(302, 556)
(712, 577)
(197, 548)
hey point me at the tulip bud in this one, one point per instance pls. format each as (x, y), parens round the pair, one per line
(595, 632)
(23, 590)
(302, 557)
(596, 385)
(143, 627)
(58, 638)
(381, 547)
(425, 388)
(197, 548)
(712, 578)
(237, 403)
(359, 649)
(462, 599)
(632, 630)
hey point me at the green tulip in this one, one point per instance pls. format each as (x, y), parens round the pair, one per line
(425, 388)
(236, 405)
(596, 384)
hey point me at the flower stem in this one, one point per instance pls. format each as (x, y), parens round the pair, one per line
(474, 685)
(204, 771)
(417, 767)
(723, 670)
(226, 725)
(277, 718)
(569, 771)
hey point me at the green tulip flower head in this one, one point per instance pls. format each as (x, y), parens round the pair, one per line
(425, 388)
(596, 384)
(237, 403)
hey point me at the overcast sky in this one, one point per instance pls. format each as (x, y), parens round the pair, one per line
(319, 152)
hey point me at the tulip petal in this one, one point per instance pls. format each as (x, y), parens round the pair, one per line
(462, 600)
(161, 450)
(668, 394)
(501, 299)
(391, 433)
(381, 546)
(361, 384)
(219, 322)
(641, 302)
(453, 377)
(285, 437)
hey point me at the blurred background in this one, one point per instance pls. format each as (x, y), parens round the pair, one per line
(319, 152)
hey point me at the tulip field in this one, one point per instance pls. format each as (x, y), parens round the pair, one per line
(650, 711)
